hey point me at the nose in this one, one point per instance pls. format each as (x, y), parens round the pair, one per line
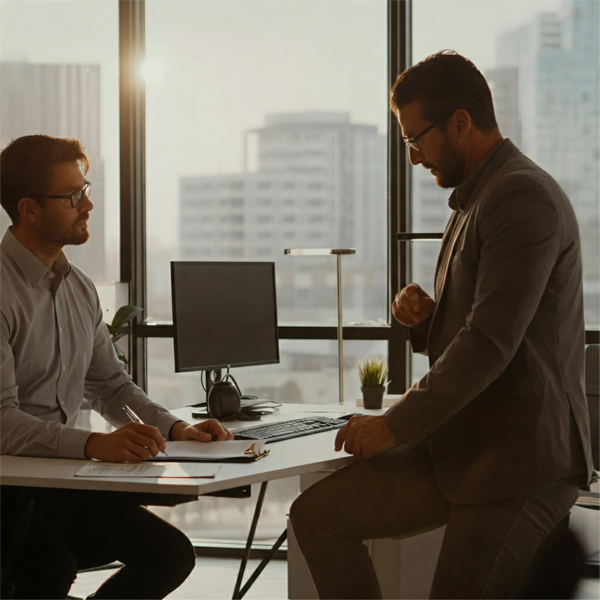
(415, 157)
(86, 204)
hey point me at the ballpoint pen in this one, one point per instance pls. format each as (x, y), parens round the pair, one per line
(136, 419)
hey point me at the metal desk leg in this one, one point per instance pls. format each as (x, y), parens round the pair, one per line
(264, 562)
(246, 556)
(240, 593)
(17, 542)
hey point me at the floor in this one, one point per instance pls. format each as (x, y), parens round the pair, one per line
(214, 578)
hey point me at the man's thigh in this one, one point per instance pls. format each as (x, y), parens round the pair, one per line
(391, 495)
(100, 530)
(487, 547)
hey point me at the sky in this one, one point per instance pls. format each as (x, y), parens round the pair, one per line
(227, 63)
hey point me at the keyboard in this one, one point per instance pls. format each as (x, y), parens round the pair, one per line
(284, 430)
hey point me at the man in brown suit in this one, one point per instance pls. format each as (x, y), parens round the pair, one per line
(494, 439)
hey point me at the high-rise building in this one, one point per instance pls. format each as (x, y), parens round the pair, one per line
(553, 103)
(319, 182)
(61, 100)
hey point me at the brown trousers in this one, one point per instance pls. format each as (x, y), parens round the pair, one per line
(486, 548)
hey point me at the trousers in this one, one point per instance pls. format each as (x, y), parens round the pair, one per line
(73, 531)
(486, 548)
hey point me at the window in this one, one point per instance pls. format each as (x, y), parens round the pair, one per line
(68, 89)
(541, 59)
(272, 142)
(269, 143)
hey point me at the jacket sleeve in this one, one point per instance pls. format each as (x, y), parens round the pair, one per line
(418, 337)
(520, 237)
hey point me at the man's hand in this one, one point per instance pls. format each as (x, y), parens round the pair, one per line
(206, 431)
(412, 305)
(132, 443)
(366, 436)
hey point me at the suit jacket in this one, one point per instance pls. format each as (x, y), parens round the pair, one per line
(503, 401)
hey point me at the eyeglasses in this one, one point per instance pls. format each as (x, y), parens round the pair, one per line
(76, 197)
(412, 142)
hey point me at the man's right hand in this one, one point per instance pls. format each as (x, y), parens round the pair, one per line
(412, 305)
(132, 443)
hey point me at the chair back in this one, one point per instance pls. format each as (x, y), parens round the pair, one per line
(592, 387)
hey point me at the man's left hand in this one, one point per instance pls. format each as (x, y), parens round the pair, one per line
(365, 436)
(206, 431)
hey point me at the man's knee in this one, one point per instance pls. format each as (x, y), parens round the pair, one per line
(178, 557)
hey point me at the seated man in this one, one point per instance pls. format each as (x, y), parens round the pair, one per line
(493, 441)
(56, 350)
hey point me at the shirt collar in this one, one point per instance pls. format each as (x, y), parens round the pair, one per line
(29, 264)
(461, 195)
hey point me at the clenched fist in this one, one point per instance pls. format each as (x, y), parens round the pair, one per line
(412, 305)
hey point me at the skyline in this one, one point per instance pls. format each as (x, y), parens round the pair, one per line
(185, 26)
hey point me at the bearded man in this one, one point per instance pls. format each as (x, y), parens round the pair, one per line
(56, 351)
(494, 440)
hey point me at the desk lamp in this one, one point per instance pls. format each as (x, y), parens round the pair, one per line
(339, 252)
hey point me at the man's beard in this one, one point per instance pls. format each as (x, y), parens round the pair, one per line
(451, 166)
(63, 235)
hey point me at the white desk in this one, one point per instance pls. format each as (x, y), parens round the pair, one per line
(287, 458)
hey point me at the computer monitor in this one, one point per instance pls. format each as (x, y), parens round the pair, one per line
(225, 315)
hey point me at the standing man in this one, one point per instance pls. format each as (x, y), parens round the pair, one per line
(55, 351)
(494, 440)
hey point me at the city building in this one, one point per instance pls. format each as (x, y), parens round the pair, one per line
(64, 101)
(319, 182)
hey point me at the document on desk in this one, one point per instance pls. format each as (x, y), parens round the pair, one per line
(229, 451)
(162, 469)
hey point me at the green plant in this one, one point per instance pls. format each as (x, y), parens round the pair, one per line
(117, 327)
(373, 372)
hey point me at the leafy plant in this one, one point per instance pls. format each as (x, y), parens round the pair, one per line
(117, 327)
(373, 372)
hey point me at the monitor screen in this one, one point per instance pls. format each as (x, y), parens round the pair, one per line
(225, 314)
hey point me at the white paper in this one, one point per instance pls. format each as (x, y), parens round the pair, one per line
(153, 469)
(210, 450)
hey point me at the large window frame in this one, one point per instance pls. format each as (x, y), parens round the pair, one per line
(133, 204)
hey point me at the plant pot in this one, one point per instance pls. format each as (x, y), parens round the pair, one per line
(373, 396)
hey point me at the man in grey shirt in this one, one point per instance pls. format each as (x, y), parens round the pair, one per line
(55, 351)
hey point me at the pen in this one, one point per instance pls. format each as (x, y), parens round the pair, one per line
(136, 419)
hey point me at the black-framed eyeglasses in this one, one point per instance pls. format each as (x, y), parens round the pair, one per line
(412, 142)
(76, 197)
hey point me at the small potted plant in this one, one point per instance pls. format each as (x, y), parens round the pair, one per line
(373, 373)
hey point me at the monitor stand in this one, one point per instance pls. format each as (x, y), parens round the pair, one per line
(212, 376)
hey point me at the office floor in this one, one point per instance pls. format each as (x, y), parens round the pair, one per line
(214, 578)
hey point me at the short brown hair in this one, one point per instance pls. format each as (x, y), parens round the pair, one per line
(442, 83)
(26, 166)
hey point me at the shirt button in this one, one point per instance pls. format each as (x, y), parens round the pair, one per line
(64, 368)
(60, 329)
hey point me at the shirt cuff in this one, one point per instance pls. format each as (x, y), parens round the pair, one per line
(164, 421)
(72, 443)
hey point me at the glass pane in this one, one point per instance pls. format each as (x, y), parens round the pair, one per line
(266, 130)
(541, 59)
(60, 77)
(307, 373)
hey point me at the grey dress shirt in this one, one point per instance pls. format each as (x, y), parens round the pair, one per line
(56, 350)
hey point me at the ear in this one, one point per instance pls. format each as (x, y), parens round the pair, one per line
(461, 124)
(29, 209)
